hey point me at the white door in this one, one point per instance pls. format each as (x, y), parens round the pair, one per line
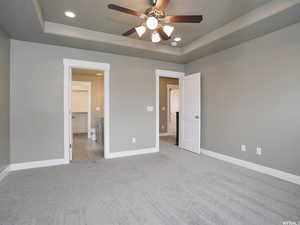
(191, 112)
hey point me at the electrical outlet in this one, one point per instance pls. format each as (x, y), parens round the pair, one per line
(258, 151)
(243, 148)
(133, 140)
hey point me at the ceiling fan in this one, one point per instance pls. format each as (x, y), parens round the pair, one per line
(156, 20)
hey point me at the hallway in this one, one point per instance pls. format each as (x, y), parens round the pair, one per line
(86, 149)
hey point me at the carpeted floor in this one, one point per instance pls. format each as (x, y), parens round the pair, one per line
(173, 187)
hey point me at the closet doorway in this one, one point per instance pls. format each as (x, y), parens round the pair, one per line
(87, 114)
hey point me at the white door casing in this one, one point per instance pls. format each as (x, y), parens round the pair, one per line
(68, 65)
(191, 112)
(158, 74)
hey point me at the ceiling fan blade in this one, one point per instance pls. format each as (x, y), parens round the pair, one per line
(184, 19)
(162, 33)
(129, 32)
(162, 4)
(125, 10)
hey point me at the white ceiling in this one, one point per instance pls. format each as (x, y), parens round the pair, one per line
(226, 23)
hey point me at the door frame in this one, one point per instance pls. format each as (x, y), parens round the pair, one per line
(88, 84)
(170, 74)
(169, 87)
(69, 64)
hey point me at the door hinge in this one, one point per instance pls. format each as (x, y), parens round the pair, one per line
(70, 145)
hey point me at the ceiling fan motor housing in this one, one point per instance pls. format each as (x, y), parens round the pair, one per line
(153, 11)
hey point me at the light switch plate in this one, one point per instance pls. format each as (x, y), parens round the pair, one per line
(150, 108)
(258, 150)
(243, 148)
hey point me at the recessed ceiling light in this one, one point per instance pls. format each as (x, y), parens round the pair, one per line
(70, 14)
(177, 39)
(174, 43)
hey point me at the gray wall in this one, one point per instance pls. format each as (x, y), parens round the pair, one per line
(37, 99)
(4, 99)
(251, 95)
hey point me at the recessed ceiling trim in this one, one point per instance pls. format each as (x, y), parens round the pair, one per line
(90, 35)
(256, 15)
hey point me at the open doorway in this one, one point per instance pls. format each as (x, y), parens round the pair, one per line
(178, 94)
(87, 114)
(98, 133)
(169, 106)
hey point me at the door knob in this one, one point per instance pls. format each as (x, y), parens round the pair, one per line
(197, 117)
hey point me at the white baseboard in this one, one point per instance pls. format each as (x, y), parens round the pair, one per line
(4, 173)
(132, 153)
(166, 134)
(253, 166)
(37, 164)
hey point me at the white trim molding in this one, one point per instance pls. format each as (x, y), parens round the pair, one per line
(37, 164)
(68, 65)
(253, 166)
(133, 153)
(4, 173)
(158, 74)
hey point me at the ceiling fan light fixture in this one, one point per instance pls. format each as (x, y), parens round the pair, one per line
(168, 30)
(140, 30)
(156, 37)
(152, 23)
